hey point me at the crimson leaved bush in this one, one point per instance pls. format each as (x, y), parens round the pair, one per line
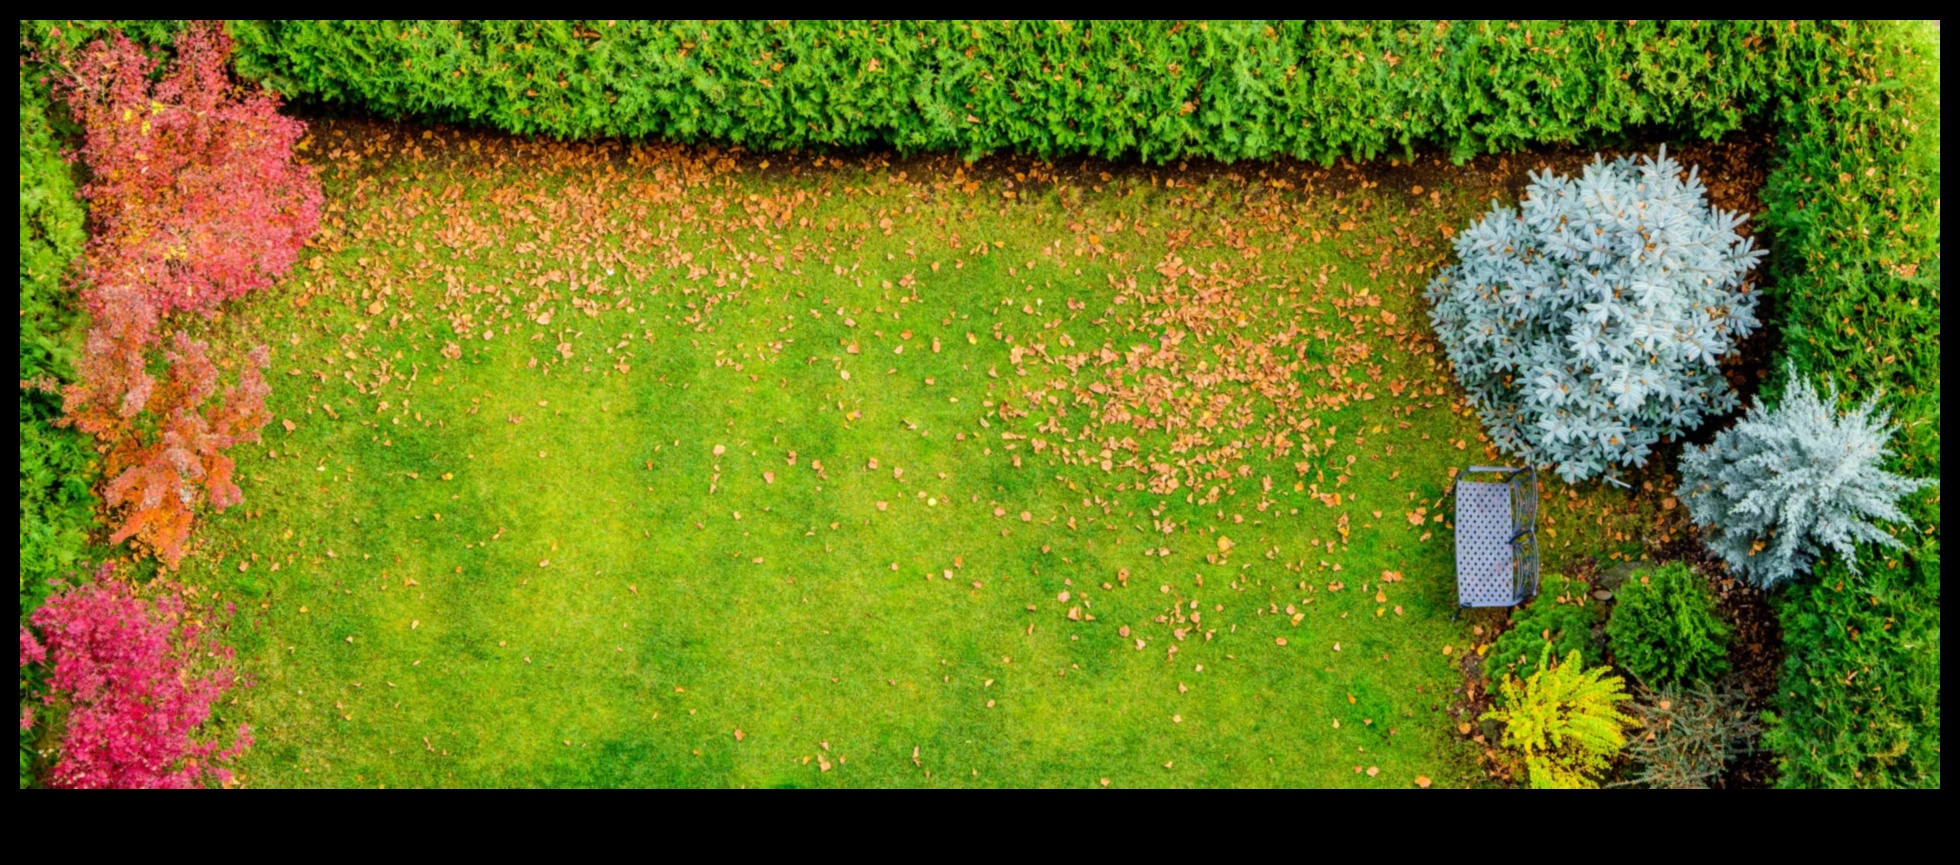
(137, 680)
(193, 193)
(194, 199)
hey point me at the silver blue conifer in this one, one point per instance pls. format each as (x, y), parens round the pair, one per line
(1777, 489)
(1591, 320)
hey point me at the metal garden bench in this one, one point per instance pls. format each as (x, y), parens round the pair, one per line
(1496, 536)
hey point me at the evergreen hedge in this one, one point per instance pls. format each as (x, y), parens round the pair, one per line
(1117, 89)
(56, 465)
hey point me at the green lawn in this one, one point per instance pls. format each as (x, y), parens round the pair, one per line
(606, 466)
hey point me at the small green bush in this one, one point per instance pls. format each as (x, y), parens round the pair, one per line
(1564, 625)
(1665, 630)
(1685, 737)
(1563, 723)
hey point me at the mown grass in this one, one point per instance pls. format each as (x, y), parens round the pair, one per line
(503, 562)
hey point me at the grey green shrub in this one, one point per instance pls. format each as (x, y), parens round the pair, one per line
(1591, 320)
(1780, 487)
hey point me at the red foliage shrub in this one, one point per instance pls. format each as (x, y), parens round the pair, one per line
(193, 193)
(159, 477)
(134, 677)
(194, 198)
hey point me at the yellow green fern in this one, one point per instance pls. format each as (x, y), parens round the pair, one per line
(1563, 722)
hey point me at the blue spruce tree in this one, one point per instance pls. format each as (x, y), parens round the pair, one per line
(1590, 321)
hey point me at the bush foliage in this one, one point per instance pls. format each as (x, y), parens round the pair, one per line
(56, 468)
(1854, 205)
(1564, 722)
(132, 677)
(194, 195)
(1860, 694)
(1775, 491)
(1590, 321)
(1554, 620)
(1159, 90)
(194, 198)
(1665, 629)
(1685, 737)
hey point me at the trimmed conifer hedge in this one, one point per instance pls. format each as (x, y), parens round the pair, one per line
(57, 468)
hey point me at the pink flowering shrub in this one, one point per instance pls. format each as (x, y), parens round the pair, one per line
(137, 681)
